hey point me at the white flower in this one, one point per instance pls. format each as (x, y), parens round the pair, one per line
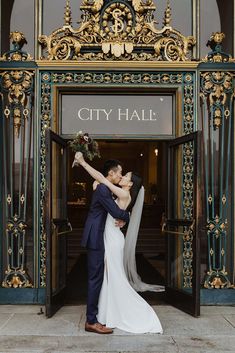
(80, 132)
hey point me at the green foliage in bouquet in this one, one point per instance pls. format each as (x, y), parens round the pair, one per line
(85, 144)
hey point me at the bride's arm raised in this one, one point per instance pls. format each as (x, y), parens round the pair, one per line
(120, 193)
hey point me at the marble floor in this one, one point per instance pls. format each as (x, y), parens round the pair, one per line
(24, 330)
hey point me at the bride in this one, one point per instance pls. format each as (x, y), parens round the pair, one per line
(120, 306)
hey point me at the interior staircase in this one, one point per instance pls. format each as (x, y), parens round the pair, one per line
(150, 261)
(150, 241)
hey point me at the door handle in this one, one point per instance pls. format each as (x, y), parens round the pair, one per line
(66, 231)
(54, 227)
(171, 231)
(191, 228)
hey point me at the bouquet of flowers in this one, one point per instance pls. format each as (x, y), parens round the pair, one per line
(85, 144)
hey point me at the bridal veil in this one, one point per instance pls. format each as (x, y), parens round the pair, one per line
(130, 246)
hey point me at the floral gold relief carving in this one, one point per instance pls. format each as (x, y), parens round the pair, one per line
(17, 84)
(16, 279)
(216, 92)
(114, 30)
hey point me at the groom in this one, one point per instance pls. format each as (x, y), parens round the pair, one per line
(93, 239)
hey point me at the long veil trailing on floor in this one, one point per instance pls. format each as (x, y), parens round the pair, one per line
(130, 246)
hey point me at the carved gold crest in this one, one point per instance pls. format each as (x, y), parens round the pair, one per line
(117, 30)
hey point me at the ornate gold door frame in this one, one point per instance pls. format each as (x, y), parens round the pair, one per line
(52, 80)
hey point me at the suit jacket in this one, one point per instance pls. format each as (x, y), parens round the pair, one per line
(102, 203)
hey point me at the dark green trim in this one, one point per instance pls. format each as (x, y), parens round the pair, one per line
(216, 66)
(1, 189)
(22, 295)
(232, 201)
(18, 64)
(37, 296)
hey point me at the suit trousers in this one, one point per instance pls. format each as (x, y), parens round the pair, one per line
(95, 262)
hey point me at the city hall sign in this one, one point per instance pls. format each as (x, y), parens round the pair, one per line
(118, 115)
(122, 114)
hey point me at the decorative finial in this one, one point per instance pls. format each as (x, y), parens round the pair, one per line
(217, 54)
(16, 54)
(167, 18)
(217, 37)
(67, 14)
(18, 39)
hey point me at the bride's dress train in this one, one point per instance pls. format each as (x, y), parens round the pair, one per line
(120, 306)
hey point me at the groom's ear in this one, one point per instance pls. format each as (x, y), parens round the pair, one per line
(110, 173)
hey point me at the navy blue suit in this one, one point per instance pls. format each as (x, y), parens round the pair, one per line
(93, 239)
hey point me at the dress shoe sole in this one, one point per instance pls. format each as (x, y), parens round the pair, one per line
(99, 332)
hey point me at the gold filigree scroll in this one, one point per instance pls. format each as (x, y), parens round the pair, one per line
(17, 279)
(112, 30)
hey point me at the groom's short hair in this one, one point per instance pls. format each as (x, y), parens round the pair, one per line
(110, 164)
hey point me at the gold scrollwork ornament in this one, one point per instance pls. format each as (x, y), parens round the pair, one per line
(117, 30)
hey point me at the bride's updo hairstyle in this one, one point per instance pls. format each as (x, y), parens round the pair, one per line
(134, 190)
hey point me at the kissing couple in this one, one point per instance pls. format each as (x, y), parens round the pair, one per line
(113, 301)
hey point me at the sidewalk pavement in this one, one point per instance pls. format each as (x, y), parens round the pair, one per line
(22, 330)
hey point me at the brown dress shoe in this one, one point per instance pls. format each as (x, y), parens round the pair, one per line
(98, 323)
(97, 328)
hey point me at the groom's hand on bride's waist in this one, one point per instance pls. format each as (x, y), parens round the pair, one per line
(119, 223)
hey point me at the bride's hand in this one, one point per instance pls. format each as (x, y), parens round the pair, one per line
(78, 159)
(119, 223)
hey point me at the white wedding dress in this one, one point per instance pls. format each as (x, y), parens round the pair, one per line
(120, 306)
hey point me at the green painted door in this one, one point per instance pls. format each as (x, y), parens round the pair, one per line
(57, 224)
(182, 225)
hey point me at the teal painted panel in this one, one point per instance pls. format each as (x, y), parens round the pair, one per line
(22, 295)
(213, 296)
(18, 64)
